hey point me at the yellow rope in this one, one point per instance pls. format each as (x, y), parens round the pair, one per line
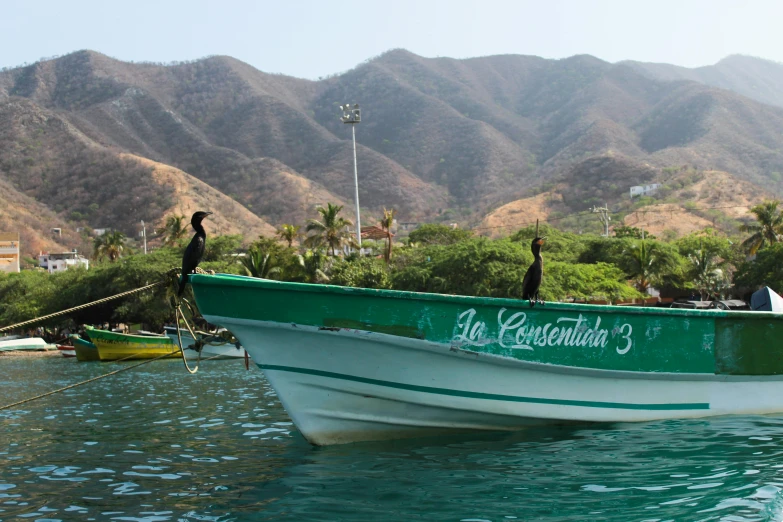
(178, 313)
(105, 299)
(87, 381)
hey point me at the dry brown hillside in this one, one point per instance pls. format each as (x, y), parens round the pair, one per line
(657, 219)
(519, 213)
(753, 77)
(439, 136)
(688, 201)
(189, 195)
(700, 205)
(34, 222)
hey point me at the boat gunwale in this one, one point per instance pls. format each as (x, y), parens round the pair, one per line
(245, 281)
(84, 343)
(146, 339)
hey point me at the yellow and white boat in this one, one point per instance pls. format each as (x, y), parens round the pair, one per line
(113, 346)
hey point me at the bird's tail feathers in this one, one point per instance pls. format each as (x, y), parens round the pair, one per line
(183, 281)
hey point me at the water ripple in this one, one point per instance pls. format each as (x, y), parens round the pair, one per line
(161, 445)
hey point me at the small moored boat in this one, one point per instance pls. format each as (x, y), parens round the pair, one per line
(66, 350)
(352, 364)
(13, 343)
(113, 345)
(85, 350)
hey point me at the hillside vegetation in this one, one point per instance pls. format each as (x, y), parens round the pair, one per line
(687, 201)
(756, 78)
(440, 139)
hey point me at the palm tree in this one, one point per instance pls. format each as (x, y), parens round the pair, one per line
(707, 272)
(174, 229)
(110, 244)
(767, 229)
(648, 263)
(331, 232)
(312, 263)
(259, 264)
(97, 247)
(288, 233)
(386, 224)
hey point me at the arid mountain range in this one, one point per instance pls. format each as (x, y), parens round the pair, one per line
(87, 140)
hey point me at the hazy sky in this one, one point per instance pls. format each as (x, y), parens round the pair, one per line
(309, 39)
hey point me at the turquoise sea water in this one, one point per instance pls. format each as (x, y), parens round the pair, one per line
(156, 444)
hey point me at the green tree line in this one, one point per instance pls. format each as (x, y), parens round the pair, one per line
(434, 258)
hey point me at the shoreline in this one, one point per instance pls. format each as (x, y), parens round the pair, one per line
(31, 353)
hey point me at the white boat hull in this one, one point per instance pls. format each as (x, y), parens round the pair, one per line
(24, 343)
(342, 386)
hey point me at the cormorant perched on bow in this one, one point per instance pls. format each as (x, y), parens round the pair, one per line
(532, 281)
(195, 249)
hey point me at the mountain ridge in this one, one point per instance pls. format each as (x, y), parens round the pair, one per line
(440, 138)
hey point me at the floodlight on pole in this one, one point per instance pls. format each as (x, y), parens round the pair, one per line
(352, 116)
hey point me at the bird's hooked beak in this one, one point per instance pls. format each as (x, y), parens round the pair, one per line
(207, 214)
(541, 241)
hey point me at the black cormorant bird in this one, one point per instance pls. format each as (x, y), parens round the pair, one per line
(532, 281)
(195, 250)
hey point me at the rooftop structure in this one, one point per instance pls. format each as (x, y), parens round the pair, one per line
(9, 252)
(61, 261)
(373, 232)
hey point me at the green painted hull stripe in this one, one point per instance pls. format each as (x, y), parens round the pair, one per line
(490, 396)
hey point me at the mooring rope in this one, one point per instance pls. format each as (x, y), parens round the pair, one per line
(177, 314)
(88, 380)
(99, 301)
(102, 376)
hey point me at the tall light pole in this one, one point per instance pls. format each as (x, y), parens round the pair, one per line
(353, 115)
(144, 234)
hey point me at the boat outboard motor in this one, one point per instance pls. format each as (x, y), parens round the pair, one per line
(730, 304)
(766, 300)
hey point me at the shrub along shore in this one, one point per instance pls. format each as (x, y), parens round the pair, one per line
(434, 258)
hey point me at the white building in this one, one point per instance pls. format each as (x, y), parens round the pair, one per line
(643, 190)
(9, 252)
(62, 261)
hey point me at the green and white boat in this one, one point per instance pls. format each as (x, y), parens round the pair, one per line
(354, 364)
(85, 350)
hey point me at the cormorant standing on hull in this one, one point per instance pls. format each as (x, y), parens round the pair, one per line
(532, 281)
(195, 250)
